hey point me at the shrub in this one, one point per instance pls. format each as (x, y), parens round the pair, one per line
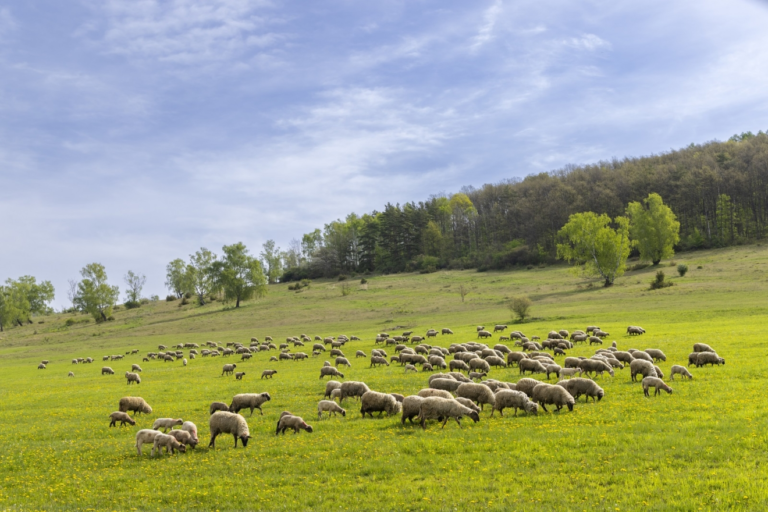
(659, 282)
(639, 266)
(521, 306)
(699, 267)
(184, 301)
(144, 301)
(363, 281)
(170, 298)
(110, 318)
(342, 277)
(188, 295)
(130, 304)
(529, 267)
(682, 269)
(74, 321)
(304, 283)
(346, 289)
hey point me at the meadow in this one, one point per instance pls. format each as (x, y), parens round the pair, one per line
(701, 448)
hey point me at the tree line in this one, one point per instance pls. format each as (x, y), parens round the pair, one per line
(717, 190)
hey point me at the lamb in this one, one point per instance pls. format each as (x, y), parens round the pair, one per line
(330, 371)
(135, 368)
(697, 347)
(360, 353)
(218, 406)
(587, 387)
(410, 408)
(657, 383)
(447, 408)
(222, 422)
(166, 423)
(190, 427)
(353, 388)
(569, 372)
(107, 370)
(551, 394)
(428, 392)
(595, 366)
(133, 377)
(70, 374)
(478, 393)
(477, 375)
(184, 437)
(239, 375)
(705, 358)
(122, 417)
(376, 360)
(336, 394)
(531, 365)
(641, 367)
(656, 354)
(135, 404)
(410, 368)
(513, 398)
(398, 397)
(450, 385)
(228, 369)
(145, 436)
(330, 407)
(658, 371)
(680, 370)
(294, 422)
(249, 401)
(373, 401)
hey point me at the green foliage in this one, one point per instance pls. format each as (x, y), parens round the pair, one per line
(304, 283)
(74, 321)
(170, 298)
(240, 274)
(23, 298)
(270, 255)
(654, 228)
(346, 289)
(135, 283)
(179, 278)
(94, 295)
(521, 306)
(590, 241)
(129, 304)
(363, 281)
(201, 273)
(659, 282)
(682, 269)
(342, 277)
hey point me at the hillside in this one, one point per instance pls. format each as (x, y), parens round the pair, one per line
(701, 447)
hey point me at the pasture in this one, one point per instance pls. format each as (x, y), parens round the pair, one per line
(704, 447)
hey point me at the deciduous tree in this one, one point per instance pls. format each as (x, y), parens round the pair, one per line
(94, 295)
(241, 275)
(654, 227)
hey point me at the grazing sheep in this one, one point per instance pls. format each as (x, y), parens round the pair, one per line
(135, 368)
(551, 394)
(428, 392)
(478, 393)
(249, 401)
(466, 402)
(445, 384)
(190, 427)
(343, 361)
(410, 407)
(657, 383)
(41, 366)
(594, 340)
(479, 364)
(145, 436)
(107, 370)
(595, 366)
(398, 397)
(326, 363)
(122, 417)
(641, 367)
(440, 376)
(360, 353)
(330, 371)
(515, 357)
(658, 371)
(435, 408)
(656, 354)
(330, 386)
(578, 386)
(635, 330)
(336, 394)
(624, 357)
(135, 404)
(527, 385)
(294, 422)
(222, 422)
(477, 375)
(494, 361)
(532, 366)
(680, 370)
(71, 374)
(711, 358)
(373, 401)
(446, 331)
(458, 376)
(228, 369)
(569, 372)
(218, 406)
(697, 347)
(184, 361)
(553, 368)
(330, 407)
(410, 368)
(376, 360)
(132, 377)
(484, 334)
(512, 398)
(353, 388)
(184, 437)
(457, 364)
(166, 423)
(240, 375)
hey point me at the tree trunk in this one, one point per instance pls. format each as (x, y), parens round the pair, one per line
(237, 304)
(656, 262)
(103, 316)
(608, 283)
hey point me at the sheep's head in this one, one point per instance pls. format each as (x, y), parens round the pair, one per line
(146, 409)
(266, 395)
(475, 416)
(130, 420)
(343, 412)
(245, 439)
(600, 395)
(532, 407)
(308, 428)
(181, 448)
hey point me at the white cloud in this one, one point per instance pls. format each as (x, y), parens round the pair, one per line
(589, 42)
(485, 33)
(8, 23)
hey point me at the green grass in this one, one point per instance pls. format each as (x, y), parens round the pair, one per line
(703, 447)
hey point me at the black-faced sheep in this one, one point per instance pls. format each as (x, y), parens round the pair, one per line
(705, 358)
(222, 422)
(550, 394)
(228, 369)
(587, 387)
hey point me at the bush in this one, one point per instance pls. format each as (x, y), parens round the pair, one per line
(184, 301)
(682, 269)
(363, 281)
(170, 298)
(346, 289)
(74, 321)
(304, 283)
(659, 282)
(639, 266)
(188, 295)
(342, 277)
(144, 301)
(699, 267)
(521, 306)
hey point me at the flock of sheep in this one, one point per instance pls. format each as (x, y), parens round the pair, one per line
(462, 391)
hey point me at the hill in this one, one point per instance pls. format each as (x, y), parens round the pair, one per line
(700, 447)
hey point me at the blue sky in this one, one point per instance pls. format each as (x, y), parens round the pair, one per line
(133, 132)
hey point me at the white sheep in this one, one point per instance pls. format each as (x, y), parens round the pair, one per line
(168, 442)
(511, 398)
(166, 423)
(190, 427)
(297, 423)
(145, 436)
(249, 401)
(657, 383)
(222, 422)
(373, 401)
(330, 407)
(680, 370)
(435, 408)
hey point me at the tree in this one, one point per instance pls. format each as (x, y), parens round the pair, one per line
(592, 242)
(94, 295)
(271, 256)
(463, 291)
(201, 273)
(135, 284)
(23, 298)
(654, 227)
(521, 306)
(72, 291)
(179, 278)
(240, 274)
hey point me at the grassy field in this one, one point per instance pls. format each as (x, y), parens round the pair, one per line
(701, 448)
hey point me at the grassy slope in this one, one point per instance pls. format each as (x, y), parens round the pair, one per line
(702, 447)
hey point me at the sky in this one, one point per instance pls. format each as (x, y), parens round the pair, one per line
(133, 132)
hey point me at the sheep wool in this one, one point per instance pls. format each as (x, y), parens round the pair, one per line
(168, 442)
(435, 408)
(429, 392)
(135, 404)
(478, 393)
(373, 401)
(249, 401)
(655, 382)
(190, 427)
(330, 407)
(680, 370)
(145, 436)
(222, 422)
(587, 387)
(122, 417)
(555, 395)
(508, 398)
(166, 423)
(294, 422)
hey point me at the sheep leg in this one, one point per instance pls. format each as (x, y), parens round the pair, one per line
(543, 406)
(235, 436)
(444, 422)
(212, 444)
(138, 449)
(262, 412)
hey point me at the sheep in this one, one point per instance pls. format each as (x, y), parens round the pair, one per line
(222, 422)
(551, 394)
(166, 423)
(578, 386)
(132, 377)
(410, 368)
(336, 394)
(294, 422)
(697, 347)
(478, 393)
(447, 408)
(531, 365)
(495, 361)
(527, 385)
(711, 358)
(428, 392)
(228, 369)
(594, 340)
(330, 371)
(239, 375)
(515, 357)
(249, 401)
(641, 367)
(445, 384)
(135, 404)
(71, 374)
(635, 330)
(190, 427)
(680, 370)
(184, 437)
(569, 372)
(360, 353)
(512, 398)
(458, 365)
(41, 366)
(218, 406)
(135, 368)
(440, 376)
(330, 407)
(122, 417)
(624, 357)
(398, 397)
(353, 388)
(595, 366)
(480, 364)
(656, 354)
(373, 401)
(410, 408)
(343, 361)
(658, 371)
(145, 436)
(477, 375)
(459, 376)
(330, 386)
(376, 360)
(656, 383)
(326, 363)
(553, 368)
(484, 334)
(184, 361)
(107, 370)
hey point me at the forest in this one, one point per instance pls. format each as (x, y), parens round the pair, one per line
(717, 190)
